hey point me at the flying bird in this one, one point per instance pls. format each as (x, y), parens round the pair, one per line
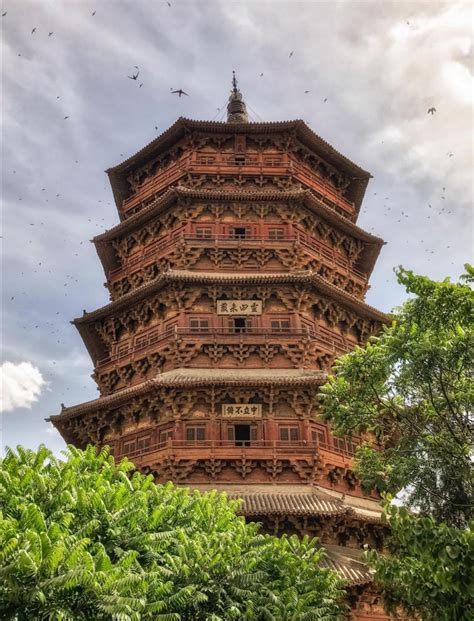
(66, 117)
(50, 33)
(291, 54)
(261, 75)
(3, 14)
(306, 92)
(431, 110)
(135, 75)
(93, 14)
(179, 92)
(325, 100)
(34, 30)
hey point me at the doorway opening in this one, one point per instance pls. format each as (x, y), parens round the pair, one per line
(242, 435)
(240, 324)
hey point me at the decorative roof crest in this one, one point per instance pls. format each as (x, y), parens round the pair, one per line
(236, 108)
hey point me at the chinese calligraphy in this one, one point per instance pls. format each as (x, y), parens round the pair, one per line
(241, 410)
(239, 307)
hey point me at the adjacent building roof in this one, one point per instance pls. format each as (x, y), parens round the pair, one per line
(348, 564)
(195, 377)
(117, 174)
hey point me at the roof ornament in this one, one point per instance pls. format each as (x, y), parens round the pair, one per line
(236, 108)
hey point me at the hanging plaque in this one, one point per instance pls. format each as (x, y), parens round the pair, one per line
(241, 410)
(239, 307)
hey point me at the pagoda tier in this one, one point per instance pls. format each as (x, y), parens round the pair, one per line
(236, 275)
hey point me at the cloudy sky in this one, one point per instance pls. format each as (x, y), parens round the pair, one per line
(380, 65)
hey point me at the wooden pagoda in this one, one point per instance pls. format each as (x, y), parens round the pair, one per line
(237, 273)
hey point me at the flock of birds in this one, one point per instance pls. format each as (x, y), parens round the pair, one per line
(57, 325)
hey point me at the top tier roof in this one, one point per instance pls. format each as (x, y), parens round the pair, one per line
(117, 174)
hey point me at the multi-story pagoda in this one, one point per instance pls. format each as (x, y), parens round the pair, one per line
(237, 274)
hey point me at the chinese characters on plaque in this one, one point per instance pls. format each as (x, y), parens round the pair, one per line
(241, 410)
(239, 307)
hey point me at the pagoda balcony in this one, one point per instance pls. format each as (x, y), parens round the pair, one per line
(152, 341)
(312, 246)
(229, 450)
(262, 175)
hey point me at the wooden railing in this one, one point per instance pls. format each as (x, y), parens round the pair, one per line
(186, 165)
(258, 336)
(307, 241)
(228, 448)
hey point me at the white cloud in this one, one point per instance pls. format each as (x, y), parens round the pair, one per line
(20, 385)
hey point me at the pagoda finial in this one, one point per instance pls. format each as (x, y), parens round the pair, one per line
(236, 108)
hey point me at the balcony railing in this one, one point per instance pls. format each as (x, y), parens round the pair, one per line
(152, 341)
(186, 165)
(229, 449)
(160, 247)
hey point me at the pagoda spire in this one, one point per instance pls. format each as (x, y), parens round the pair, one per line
(236, 108)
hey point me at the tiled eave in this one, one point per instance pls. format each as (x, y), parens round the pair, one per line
(242, 278)
(184, 378)
(117, 174)
(107, 255)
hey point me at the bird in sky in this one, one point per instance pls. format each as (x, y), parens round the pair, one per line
(50, 33)
(325, 100)
(431, 110)
(66, 117)
(135, 75)
(34, 30)
(291, 54)
(3, 14)
(93, 14)
(306, 92)
(179, 92)
(261, 75)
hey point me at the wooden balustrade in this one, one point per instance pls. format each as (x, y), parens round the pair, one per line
(251, 168)
(227, 449)
(334, 344)
(160, 247)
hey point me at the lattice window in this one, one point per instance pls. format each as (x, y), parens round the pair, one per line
(280, 325)
(143, 442)
(199, 325)
(128, 446)
(195, 433)
(165, 435)
(203, 232)
(276, 233)
(289, 434)
(319, 437)
(272, 160)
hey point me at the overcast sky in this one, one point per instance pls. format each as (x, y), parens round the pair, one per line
(380, 65)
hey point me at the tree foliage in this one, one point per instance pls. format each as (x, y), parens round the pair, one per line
(87, 539)
(430, 569)
(411, 390)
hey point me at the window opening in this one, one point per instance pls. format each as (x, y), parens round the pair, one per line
(274, 234)
(195, 434)
(165, 435)
(203, 232)
(280, 325)
(199, 325)
(242, 435)
(239, 232)
(289, 434)
(240, 324)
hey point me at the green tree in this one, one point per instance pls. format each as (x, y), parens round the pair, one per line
(411, 391)
(87, 539)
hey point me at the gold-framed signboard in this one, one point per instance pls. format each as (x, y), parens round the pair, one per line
(241, 410)
(239, 307)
